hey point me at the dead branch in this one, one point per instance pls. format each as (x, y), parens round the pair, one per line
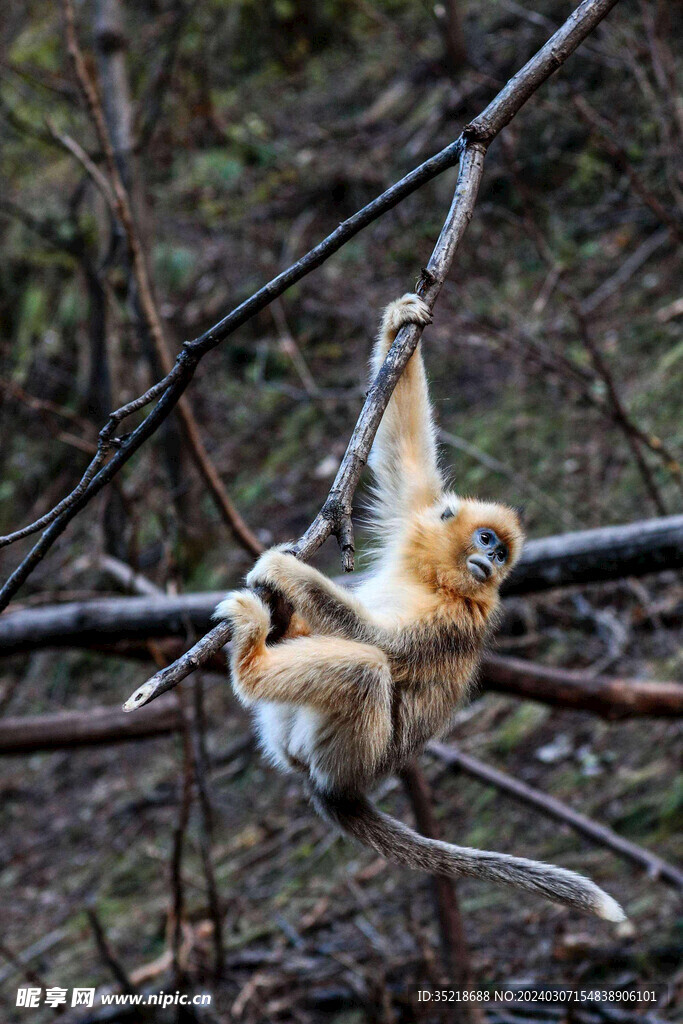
(581, 378)
(470, 147)
(630, 266)
(197, 728)
(553, 808)
(176, 910)
(97, 726)
(28, 972)
(124, 574)
(620, 414)
(535, 493)
(612, 698)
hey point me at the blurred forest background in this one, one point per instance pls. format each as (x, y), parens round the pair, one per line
(245, 132)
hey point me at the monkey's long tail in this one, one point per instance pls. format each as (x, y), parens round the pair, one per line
(356, 816)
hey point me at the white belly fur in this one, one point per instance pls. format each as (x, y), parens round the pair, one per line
(287, 734)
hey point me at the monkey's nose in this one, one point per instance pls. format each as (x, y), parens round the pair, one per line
(480, 567)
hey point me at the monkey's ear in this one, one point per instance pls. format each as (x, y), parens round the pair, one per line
(521, 511)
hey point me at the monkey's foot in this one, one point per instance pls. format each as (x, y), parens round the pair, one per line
(248, 616)
(409, 309)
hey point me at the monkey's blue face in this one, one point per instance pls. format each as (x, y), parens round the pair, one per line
(490, 554)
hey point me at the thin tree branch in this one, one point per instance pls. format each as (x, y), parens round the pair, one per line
(553, 808)
(581, 378)
(620, 415)
(107, 954)
(89, 166)
(44, 405)
(198, 737)
(499, 112)
(605, 134)
(177, 908)
(536, 493)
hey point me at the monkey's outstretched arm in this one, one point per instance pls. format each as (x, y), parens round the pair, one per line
(404, 453)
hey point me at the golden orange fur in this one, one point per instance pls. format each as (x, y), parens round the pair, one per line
(365, 677)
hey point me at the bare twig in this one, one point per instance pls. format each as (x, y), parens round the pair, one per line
(500, 111)
(207, 819)
(88, 165)
(536, 493)
(17, 963)
(553, 808)
(107, 954)
(124, 211)
(620, 414)
(45, 406)
(124, 574)
(627, 268)
(150, 107)
(581, 378)
(605, 134)
(177, 908)
(37, 949)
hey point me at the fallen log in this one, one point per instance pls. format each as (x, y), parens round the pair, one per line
(589, 556)
(95, 727)
(610, 697)
(595, 556)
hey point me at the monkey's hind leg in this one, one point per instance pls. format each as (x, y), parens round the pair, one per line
(250, 621)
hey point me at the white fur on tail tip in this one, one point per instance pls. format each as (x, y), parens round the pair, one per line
(609, 909)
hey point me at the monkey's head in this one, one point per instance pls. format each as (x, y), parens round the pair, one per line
(467, 546)
(482, 542)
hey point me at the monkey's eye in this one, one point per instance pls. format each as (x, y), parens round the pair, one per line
(485, 537)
